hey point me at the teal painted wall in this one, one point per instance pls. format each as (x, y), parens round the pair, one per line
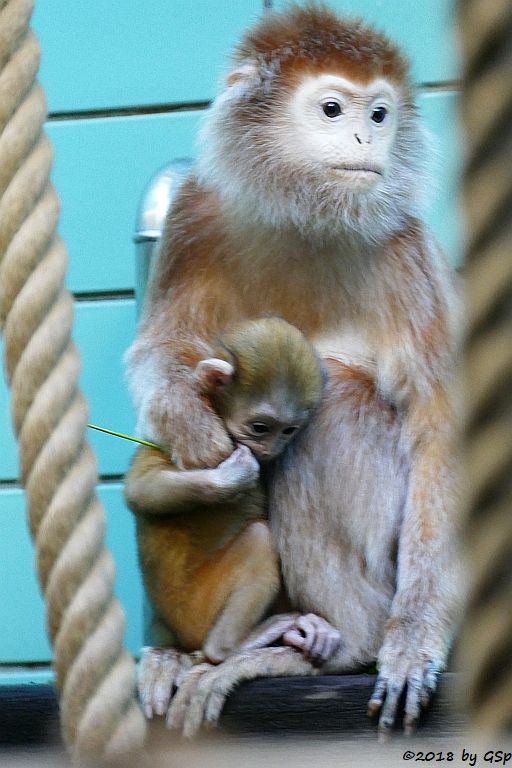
(127, 84)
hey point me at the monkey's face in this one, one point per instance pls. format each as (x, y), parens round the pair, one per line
(345, 131)
(264, 429)
(320, 152)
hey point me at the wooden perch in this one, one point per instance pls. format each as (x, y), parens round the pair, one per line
(329, 705)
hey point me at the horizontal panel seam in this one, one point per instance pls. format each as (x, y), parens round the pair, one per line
(130, 111)
(107, 295)
(161, 109)
(105, 480)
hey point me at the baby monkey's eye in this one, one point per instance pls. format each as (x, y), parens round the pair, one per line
(260, 428)
(331, 109)
(289, 430)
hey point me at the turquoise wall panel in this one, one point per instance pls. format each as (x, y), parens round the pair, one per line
(22, 614)
(99, 55)
(100, 171)
(8, 464)
(439, 111)
(425, 29)
(103, 330)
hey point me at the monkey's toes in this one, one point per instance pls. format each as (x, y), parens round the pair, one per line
(157, 677)
(177, 713)
(419, 680)
(315, 637)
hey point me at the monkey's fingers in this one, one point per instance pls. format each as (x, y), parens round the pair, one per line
(209, 698)
(390, 707)
(172, 669)
(214, 686)
(314, 636)
(377, 699)
(155, 678)
(326, 643)
(239, 472)
(184, 695)
(270, 630)
(147, 674)
(413, 700)
(295, 639)
(332, 643)
(429, 682)
(420, 679)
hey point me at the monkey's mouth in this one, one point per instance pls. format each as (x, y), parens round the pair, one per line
(357, 169)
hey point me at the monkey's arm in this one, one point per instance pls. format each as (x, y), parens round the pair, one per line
(420, 360)
(424, 609)
(154, 486)
(190, 300)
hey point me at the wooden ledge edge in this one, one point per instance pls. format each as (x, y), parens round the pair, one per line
(331, 705)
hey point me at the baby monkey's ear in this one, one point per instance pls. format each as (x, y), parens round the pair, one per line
(213, 374)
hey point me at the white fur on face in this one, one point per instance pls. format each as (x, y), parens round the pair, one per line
(350, 147)
(280, 162)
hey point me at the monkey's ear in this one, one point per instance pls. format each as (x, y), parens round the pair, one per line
(244, 78)
(213, 374)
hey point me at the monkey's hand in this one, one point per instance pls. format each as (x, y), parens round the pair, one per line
(402, 665)
(159, 672)
(237, 474)
(315, 637)
(183, 424)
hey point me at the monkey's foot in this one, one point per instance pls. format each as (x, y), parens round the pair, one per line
(203, 692)
(315, 637)
(238, 472)
(420, 678)
(159, 672)
(269, 631)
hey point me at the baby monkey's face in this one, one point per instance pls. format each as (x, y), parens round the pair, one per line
(265, 427)
(261, 411)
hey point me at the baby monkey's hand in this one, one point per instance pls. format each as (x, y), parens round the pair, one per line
(238, 473)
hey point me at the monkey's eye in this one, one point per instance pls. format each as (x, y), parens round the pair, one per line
(289, 430)
(379, 114)
(331, 109)
(259, 428)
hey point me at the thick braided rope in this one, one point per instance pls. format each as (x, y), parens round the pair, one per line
(486, 30)
(95, 675)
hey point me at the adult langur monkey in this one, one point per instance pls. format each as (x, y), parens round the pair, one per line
(304, 205)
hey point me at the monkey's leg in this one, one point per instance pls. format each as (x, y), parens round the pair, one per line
(247, 589)
(230, 593)
(154, 485)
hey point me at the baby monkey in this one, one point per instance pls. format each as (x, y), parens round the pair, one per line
(205, 548)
